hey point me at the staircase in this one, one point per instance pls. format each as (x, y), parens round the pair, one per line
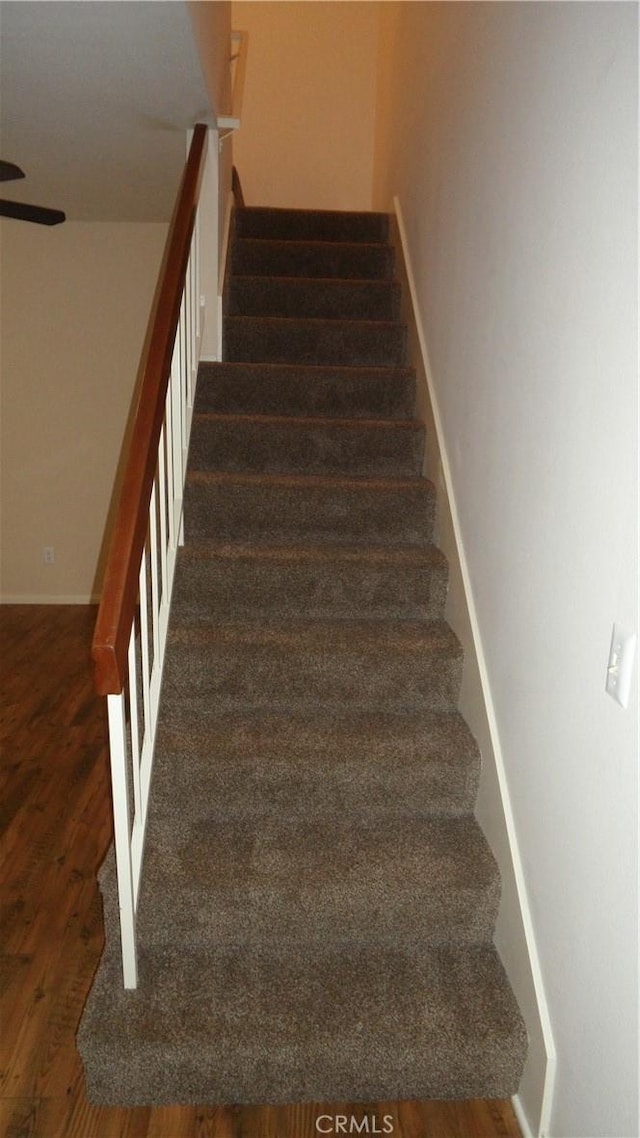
(318, 901)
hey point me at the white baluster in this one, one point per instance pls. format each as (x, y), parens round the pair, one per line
(176, 436)
(171, 490)
(162, 493)
(122, 831)
(184, 373)
(155, 593)
(144, 640)
(193, 300)
(134, 726)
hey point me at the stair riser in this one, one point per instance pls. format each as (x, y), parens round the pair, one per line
(253, 676)
(204, 1081)
(294, 513)
(271, 590)
(329, 300)
(318, 225)
(278, 447)
(252, 339)
(444, 1025)
(253, 389)
(298, 259)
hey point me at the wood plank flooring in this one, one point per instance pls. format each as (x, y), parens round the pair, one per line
(56, 825)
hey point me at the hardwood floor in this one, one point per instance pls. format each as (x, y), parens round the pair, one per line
(56, 822)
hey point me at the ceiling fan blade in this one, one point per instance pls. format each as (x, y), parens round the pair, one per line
(36, 213)
(9, 172)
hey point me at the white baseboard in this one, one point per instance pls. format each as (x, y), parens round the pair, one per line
(523, 1121)
(49, 598)
(542, 1098)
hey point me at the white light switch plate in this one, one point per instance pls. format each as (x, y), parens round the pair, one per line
(620, 667)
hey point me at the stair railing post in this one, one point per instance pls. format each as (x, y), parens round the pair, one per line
(141, 561)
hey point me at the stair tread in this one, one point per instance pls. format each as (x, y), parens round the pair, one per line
(275, 581)
(248, 217)
(238, 1025)
(289, 508)
(388, 763)
(283, 444)
(313, 297)
(307, 389)
(313, 662)
(228, 879)
(347, 852)
(315, 340)
(346, 260)
(307, 764)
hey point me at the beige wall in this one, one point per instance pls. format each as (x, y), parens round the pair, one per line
(211, 22)
(516, 172)
(308, 117)
(74, 306)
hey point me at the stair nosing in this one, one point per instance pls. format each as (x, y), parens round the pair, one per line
(317, 242)
(351, 282)
(302, 211)
(399, 716)
(319, 422)
(400, 371)
(436, 635)
(312, 480)
(314, 321)
(198, 548)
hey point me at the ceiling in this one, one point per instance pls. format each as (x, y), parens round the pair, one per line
(95, 98)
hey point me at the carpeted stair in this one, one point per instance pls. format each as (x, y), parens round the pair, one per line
(318, 901)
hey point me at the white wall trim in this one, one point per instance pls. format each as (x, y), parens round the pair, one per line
(49, 599)
(534, 960)
(523, 1121)
(222, 267)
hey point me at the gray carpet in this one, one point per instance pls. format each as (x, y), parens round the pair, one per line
(318, 901)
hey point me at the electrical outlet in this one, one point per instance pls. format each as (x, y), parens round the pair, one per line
(620, 667)
(48, 555)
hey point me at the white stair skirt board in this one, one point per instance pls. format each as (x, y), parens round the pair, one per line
(534, 1100)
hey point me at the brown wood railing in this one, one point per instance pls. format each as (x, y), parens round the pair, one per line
(120, 588)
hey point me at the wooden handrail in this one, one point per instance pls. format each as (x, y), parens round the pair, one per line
(120, 588)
